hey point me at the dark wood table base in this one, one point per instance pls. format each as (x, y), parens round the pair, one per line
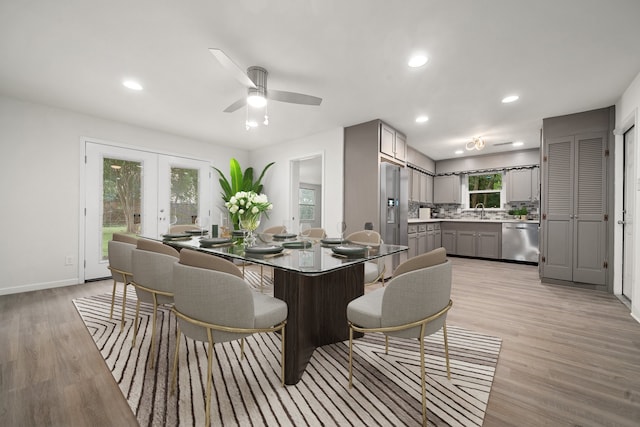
(317, 312)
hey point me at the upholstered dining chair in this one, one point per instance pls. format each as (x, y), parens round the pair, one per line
(181, 228)
(119, 250)
(153, 281)
(414, 304)
(213, 304)
(373, 270)
(316, 233)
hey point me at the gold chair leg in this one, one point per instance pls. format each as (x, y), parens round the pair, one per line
(386, 344)
(241, 348)
(209, 381)
(135, 324)
(282, 359)
(446, 350)
(153, 333)
(174, 374)
(261, 281)
(113, 298)
(422, 379)
(350, 353)
(124, 304)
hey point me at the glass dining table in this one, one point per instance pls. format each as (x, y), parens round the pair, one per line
(317, 282)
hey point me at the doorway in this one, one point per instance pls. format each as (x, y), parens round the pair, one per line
(628, 202)
(307, 191)
(141, 193)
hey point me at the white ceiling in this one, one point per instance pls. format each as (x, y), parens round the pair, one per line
(561, 57)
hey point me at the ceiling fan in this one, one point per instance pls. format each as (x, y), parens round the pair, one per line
(255, 79)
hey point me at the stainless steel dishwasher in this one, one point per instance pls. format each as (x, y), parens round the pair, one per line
(520, 241)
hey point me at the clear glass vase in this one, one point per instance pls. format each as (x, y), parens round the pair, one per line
(250, 222)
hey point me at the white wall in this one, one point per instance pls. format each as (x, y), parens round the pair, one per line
(277, 180)
(40, 178)
(627, 114)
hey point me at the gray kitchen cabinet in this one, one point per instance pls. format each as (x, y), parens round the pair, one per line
(392, 143)
(523, 185)
(423, 188)
(474, 239)
(429, 189)
(437, 236)
(422, 238)
(449, 239)
(414, 185)
(431, 237)
(446, 189)
(413, 240)
(488, 244)
(466, 243)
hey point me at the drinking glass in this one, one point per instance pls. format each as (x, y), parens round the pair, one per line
(342, 226)
(203, 224)
(305, 229)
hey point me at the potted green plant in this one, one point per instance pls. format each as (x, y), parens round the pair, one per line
(239, 181)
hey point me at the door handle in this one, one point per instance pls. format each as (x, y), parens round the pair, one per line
(622, 222)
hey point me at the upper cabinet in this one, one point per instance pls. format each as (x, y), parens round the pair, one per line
(446, 189)
(523, 185)
(393, 143)
(420, 187)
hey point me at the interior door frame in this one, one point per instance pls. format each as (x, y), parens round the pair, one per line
(294, 184)
(83, 190)
(630, 121)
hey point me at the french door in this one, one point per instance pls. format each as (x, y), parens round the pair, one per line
(138, 192)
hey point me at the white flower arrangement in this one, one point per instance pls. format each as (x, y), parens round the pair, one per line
(245, 203)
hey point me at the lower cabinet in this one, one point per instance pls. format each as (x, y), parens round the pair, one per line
(472, 239)
(422, 238)
(413, 240)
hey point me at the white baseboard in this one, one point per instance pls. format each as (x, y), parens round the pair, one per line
(39, 286)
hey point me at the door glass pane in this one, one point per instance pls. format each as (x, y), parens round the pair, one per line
(184, 195)
(121, 199)
(307, 202)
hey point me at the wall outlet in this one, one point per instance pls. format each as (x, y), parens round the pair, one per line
(68, 260)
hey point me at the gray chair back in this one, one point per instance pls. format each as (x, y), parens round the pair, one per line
(153, 268)
(365, 237)
(415, 295)
(213, 297)
(208, 261)
(120, 259)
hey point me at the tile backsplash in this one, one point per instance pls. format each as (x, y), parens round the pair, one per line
(454, 211)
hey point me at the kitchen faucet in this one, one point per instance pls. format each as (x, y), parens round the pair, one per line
(482, 211)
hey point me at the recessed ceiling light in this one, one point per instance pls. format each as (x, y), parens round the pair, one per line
(459, 152)
(422, 119)
(518, 143)
(510, 98)
(133, 85)
(417, 61)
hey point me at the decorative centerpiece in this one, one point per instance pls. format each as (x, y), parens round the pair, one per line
(248, 207)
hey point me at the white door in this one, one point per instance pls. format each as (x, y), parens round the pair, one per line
(138, 192)
(627, 219)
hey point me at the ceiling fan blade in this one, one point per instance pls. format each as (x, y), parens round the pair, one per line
(232, 67)
(236, 105)
(293, 97)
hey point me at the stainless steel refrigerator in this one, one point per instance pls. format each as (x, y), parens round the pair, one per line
(393, 210)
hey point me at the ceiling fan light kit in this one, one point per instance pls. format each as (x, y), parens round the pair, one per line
(255, 79)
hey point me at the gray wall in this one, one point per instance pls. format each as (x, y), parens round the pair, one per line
(490, 161)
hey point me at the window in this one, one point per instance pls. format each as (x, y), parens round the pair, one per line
(307, 203)
(485, 188)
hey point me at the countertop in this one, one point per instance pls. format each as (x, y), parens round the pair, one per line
(495, 221)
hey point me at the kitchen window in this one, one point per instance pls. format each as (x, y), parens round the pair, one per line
(307, 204)
(485, 188)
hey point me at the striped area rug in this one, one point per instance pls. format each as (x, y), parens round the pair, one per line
(247, 391)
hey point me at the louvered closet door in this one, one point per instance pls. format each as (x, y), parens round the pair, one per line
(558, 226)
(590, 207)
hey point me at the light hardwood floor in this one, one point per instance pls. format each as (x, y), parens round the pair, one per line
(569, 357)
